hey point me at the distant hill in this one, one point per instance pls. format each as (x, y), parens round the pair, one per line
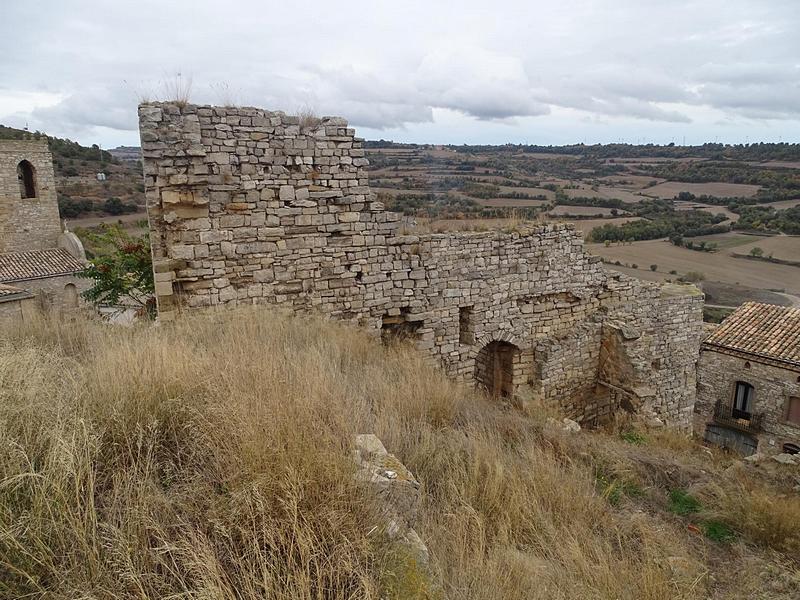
(126, 153)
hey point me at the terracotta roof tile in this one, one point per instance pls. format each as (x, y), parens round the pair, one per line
(9, 293)
(19, 266)
(765, 330)
(8, 290)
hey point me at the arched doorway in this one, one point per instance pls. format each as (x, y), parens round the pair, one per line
(27, 179)
(70, 298)
(494, 368)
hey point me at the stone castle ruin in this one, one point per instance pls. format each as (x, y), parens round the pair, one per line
(248, 206)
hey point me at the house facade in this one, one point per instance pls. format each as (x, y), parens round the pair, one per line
(748, 386)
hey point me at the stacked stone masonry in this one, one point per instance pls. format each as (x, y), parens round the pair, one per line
(31, 238)
(30, 223)
(251, 206)
(775, 385)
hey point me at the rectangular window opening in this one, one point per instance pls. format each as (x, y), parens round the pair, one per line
(466, 325)
(743, 401)
(793, 411)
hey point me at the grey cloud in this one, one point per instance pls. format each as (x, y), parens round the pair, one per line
(97, 107)
(386, 65)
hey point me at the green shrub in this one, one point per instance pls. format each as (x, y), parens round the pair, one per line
(633, 437)
(718, 531)
(683, 503)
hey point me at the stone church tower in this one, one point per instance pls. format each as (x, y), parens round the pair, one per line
(38, 262)
(29, 217)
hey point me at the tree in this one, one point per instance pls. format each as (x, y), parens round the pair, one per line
(653, 268)
(756, 252)
(122, 271)
(693, 277)
(115, 206)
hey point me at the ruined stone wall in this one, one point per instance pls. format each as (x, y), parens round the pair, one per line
(18, 309)
(773, 382)
(251, 206)
(27, 223)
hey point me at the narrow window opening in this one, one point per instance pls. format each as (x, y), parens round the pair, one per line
(466, 327)
(793, 411)
(27, 181)
(743, 401)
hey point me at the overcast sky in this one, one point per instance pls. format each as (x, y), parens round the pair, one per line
(527, 71)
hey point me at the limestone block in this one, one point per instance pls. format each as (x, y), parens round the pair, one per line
(392, 482)
(286, 193)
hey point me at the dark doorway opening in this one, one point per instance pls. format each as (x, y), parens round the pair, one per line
(494, 368)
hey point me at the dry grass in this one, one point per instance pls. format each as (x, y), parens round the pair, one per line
(225, 95)
(766, 518)
(208, 458)
(308, 117)
(177, 89)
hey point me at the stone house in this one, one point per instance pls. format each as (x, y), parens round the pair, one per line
(248, 206)
(748, 392)
(38, 260)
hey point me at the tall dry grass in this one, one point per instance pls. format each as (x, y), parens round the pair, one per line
(209, 458)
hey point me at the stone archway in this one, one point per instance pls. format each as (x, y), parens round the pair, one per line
(69, 299)
(27, 180)
(494, 368)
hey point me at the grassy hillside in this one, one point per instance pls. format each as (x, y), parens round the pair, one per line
(210, 458)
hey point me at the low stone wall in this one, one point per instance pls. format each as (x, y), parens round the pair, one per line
(253, 206)
(20, 308)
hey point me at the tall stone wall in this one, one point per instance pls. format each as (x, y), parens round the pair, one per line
(251, 206)
(27, 223)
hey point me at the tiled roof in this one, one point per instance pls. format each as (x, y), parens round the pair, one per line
(18, 266)
(764, 330)
(7, 290)
(9, 293)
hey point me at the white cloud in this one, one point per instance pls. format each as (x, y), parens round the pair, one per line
(525, 66)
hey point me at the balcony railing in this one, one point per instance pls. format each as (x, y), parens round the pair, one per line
(725, 414)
